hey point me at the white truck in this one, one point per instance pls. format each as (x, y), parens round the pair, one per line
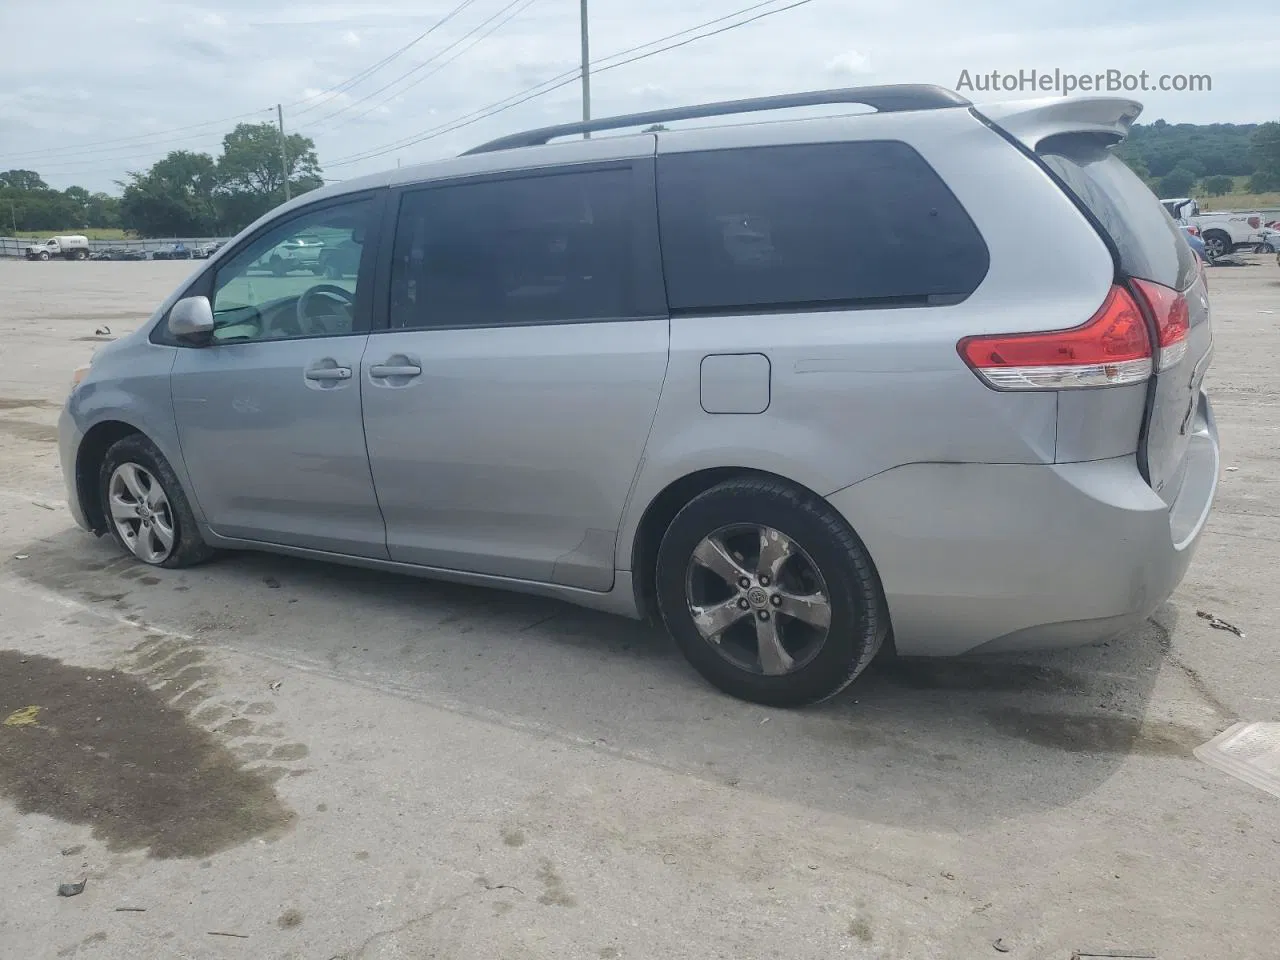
(1222, 233)
(68, 248)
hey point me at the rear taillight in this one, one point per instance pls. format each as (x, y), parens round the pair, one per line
(1255, 222)
(1111, 349)
(1194, 231)
(1173, 320)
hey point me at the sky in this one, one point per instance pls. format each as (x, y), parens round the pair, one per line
(93, 89)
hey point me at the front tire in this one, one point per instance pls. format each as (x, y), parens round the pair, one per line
(44, 254)
(146, 510)
(769, 593)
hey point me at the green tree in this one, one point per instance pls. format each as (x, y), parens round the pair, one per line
(103, 211)
(174, 198)
(1265, 151)
(1177, 182)
(249, 172)
(1217, 186)
(22, 180)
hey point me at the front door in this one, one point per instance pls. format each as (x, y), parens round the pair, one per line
(508, 403)
(269, 412)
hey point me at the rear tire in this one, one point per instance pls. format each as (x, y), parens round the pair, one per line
(82, 254)
(133, 472)
(1217, 244)
(779, 646)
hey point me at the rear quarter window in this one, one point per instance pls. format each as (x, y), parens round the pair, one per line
(831, 225)
(1150, 244)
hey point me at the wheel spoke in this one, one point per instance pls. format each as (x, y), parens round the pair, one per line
(813, 609)
(774, 659)
(775, 550)
(162, 530)
(714, 620)
(713, 555)
(156, 499)
(132, 478)
(122, 509)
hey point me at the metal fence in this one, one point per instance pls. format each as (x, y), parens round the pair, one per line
(15, 247)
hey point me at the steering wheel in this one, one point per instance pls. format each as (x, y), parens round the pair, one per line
(325, 322)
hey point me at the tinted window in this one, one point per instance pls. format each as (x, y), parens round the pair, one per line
(537, 249)
(1151, 245)
(826, 224)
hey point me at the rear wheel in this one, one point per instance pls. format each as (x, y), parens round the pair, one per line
(146, 509)
(768, 593)
(82, 254)
(1217, 244)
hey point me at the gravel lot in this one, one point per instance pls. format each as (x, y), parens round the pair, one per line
(268, 758)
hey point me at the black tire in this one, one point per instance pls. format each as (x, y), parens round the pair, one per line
(1217, 244)
(859, 618)
(278, 266)
(82, 254)
(189, 549)
(44, 254)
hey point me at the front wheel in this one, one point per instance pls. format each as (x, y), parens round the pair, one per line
(146, 509)
(769, 593)
(44, 254)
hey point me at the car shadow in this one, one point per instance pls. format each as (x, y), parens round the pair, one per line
(942, 744)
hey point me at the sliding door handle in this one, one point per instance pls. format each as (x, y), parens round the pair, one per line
(381, 370)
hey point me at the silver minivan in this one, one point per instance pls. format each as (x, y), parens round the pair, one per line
(929, 373)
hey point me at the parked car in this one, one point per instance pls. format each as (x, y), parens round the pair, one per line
(1222, 233)
(207, 250)
(74, 247)
(665, 375)
(1193, 238)
(295, 253)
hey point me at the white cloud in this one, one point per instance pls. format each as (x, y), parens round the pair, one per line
(175, 63)
(850, 62)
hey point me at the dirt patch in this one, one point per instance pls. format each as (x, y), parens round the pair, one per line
(24, 430)
(1098, 733)
(107, 751)
(15, 403)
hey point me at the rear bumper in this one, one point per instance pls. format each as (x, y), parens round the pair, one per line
(997, 557)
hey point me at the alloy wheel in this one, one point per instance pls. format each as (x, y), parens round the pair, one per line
(141, 513)
(758, 599)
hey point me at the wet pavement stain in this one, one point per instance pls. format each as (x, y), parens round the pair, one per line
(107, 751)
(1099, 733)
(978, 675)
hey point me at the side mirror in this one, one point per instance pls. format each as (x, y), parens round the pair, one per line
(191, 317)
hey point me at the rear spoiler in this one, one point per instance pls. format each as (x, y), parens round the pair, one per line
(1032, 121)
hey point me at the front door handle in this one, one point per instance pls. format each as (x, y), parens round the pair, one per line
(395, 370)
(329, 373)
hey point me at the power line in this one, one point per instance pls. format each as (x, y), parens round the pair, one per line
(521, 7)
(415, 69)
(374, 68)
(570, 76)
(163, 137)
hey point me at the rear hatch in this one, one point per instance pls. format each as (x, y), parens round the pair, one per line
(1070, 137)
(1164, 275)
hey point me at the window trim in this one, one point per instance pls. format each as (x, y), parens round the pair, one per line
(846, 304)
(644, 182)
(202, 284)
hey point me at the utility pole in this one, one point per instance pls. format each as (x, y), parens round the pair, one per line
(586, 71)
(13, 212)
(284, 153)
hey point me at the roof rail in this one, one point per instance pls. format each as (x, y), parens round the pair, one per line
(890, 98)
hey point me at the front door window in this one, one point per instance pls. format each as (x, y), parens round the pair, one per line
(299, 279)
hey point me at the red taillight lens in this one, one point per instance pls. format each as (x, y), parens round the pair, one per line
(1194, 231)
(1111, 349)
(1173, 320)
(1255, 222)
